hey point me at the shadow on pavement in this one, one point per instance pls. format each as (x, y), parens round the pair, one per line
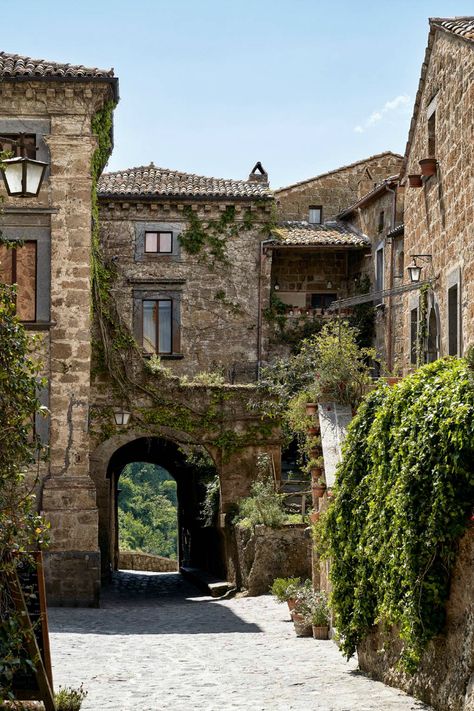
(150, 603)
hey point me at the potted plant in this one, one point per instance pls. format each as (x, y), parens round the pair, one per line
(301, 614)
(311, 408)
(319, 615)
(313, 516)
(318, 488)
(285, 589)
(415, 181)
(428, 166)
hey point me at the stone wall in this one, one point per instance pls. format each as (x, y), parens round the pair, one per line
(264, 554)
(219, 322)
(130, 560)
(445, 678)
(336, 190)
(439, 216)
(59, 114)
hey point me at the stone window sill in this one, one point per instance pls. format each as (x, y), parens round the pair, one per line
(165, 356)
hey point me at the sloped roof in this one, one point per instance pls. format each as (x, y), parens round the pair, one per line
(151, 181)
(371, 195)
(337, 170)
(14, 65)
(301, 233)
(460, 27)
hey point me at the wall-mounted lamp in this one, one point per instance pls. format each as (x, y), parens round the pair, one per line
(122, 417)
(414, 269)
(329, 285)
(22, 176)
(276, 286)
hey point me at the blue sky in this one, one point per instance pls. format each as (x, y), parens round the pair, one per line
(212, 86)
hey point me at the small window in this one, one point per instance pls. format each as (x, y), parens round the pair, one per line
(322, 301)
(158, 326)
(379, 266)
(381, 220)
(432, 135)
(413, 335)
(315, 214)
(18, 266)
(158, 242)
(10, 146)
(453, 321)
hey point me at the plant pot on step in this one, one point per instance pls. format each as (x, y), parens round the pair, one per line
(314, 517)
(320, 632)
(318, 490)
(428, 166)
(311, 408)
(312, 431)
(415, 181)
(316, 473)
(302, 628)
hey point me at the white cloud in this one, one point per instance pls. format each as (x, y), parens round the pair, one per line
(377, 116)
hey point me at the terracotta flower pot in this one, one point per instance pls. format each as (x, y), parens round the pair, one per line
(311, 408)
(302, 628)
(392, 380)
(428, 166)
(316, 473)
(314, 452)
(314, 517)
(415, 181)
(312, 431)
(320, 632)
(318, 491)
(291, 603)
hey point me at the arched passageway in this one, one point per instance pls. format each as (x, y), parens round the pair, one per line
(200, 542)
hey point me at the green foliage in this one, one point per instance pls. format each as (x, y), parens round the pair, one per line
(148, 510)
(404, 490)
(263, 506)
(312, 605)
(422, 331)
(362, 318)
(209, 239)
(69, 699)
(210, 505)
(21, 529)
(284, 588)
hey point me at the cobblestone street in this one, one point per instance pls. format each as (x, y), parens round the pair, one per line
(157, 644)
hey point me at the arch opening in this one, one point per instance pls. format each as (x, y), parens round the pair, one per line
(199, 540)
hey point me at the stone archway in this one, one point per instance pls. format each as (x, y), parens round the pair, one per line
(199, 546)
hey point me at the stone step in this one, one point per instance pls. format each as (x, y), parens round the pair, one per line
(206, 582)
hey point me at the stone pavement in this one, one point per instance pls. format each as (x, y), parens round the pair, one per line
(158, 645)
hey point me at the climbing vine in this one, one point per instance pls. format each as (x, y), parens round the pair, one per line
(403, 494)
(422, 333)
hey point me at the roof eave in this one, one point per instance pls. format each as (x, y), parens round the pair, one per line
(113, 81)
(160, 197)
(367, 199)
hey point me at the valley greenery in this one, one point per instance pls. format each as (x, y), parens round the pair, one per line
(404, 491)
(148, 510)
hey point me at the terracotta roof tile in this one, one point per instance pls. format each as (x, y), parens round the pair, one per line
(460, 26)
(150, 181)
(296, 234)
(15, 66)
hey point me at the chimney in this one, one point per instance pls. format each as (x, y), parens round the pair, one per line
(258, 174)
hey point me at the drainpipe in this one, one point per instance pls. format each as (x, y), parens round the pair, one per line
(261, 262)
(390, 281)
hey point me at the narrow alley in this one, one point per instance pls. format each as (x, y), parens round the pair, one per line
(157, 644)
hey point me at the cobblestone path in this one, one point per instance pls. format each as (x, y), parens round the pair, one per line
(157, 644)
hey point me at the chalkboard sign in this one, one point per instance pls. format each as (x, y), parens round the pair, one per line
(26, 584)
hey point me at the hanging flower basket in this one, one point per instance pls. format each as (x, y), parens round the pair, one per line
(428, 166)
(415, 181)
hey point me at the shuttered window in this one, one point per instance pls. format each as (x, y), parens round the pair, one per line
(18, 266)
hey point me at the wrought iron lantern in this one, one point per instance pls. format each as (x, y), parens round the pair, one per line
(122, 417)
(22, 175)
(414, 270)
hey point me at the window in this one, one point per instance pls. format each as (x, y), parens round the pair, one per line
(453, 321)
(158, 325)
(413, 335)
(322, 301)
(315, 214)
(18, 266)
(29, 142)
(379, 270)
(381, 220)
(432, 135)
(158, 242)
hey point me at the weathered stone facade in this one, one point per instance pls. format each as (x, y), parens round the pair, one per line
(337, 189)
(59, 113)
(439, 218)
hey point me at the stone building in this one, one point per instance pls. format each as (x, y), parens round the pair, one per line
(438, 214)
(54, 106)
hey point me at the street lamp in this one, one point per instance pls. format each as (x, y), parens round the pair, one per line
(122, 417)
(22, 175)
(414, 270)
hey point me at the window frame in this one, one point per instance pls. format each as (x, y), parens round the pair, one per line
(147, 292)
(315, 207)
(157, 303)
(454, 281)
(158, 234)
(142, 228)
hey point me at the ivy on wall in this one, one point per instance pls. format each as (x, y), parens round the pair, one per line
(403, 494)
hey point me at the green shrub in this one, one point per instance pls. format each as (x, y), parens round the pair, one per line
(404, 491)
(69, 699)
(284, 588)
(263, 506)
